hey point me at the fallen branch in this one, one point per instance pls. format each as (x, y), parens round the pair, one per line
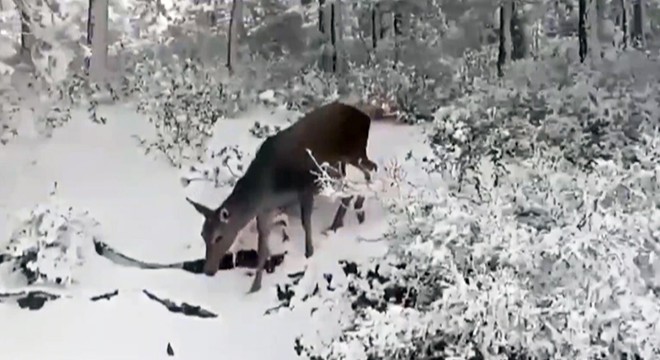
(184, 308)
(107, 296)
(242, 258)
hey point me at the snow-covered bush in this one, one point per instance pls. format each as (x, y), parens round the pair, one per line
(184, 100)
(551, 253)
(590, 116)
(554, 263)
(223, 168)
(50, 242)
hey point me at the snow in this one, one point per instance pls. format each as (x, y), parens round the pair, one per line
(140, 205)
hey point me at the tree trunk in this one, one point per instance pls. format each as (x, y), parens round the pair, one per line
(593, 30)
(321, 17)
(501, 56)
(333, 37)
(26, 35)
(398, 31)
(506, 45)
(27, 38)
(624, 23)
(582, 29)
(98, 37)
(518, 40)
(374, 27)
(231, 36)
(637, 33)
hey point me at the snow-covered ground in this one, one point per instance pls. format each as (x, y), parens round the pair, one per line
(140, 204)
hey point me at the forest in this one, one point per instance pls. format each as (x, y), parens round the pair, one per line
(515, 213)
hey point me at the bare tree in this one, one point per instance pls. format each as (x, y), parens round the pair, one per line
(375, 17)
(333, 36)
(505, 47)
(624, 23)
(582, 29)
(232, 33)
(397, 25)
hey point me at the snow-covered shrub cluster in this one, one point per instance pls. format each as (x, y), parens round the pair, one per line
(50, 242)
(554, 263)
(223, 168)
(184, 100)
(589, 116)
(540, 239)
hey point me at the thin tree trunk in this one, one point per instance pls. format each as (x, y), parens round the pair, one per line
(518, 45)
(27, 38)
(321, 17)
(25, 33)
(501, 56)
(231, 35)
(397, 25)
(374, 28)
(322, 30)
(333, 37)
(593, 30)
(624, 23)
(582, 29)
(90, 32)
(637, 34)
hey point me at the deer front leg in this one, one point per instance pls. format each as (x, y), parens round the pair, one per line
(306, 207)
(264, 223)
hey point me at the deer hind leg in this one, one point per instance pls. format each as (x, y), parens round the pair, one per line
(264, 223)
(338, 221)
(306, 207)
(358, 206)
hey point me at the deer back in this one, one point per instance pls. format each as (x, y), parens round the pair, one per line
(334, 133)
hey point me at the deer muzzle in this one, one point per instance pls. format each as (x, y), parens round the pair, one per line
(212, 259)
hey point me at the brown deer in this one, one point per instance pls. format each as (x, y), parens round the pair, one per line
(282, 173)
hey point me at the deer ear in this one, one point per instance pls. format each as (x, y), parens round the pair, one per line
(201, 208)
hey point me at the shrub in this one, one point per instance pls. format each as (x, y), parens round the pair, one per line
(50, 242)
(184, 100)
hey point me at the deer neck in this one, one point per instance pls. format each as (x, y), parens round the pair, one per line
(244, 203)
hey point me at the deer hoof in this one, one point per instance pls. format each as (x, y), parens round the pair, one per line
(309, 252)
(254, 288)
(360, 217)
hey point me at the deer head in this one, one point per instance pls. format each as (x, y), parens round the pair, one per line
(219, 231)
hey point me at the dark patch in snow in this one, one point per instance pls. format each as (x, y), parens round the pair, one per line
(170, 351)
(349, 267)
(184, 308)
(106, 296)
(31, 300)
(242, 258)
(296, 277)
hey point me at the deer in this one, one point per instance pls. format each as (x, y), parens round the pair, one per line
(282, 173)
